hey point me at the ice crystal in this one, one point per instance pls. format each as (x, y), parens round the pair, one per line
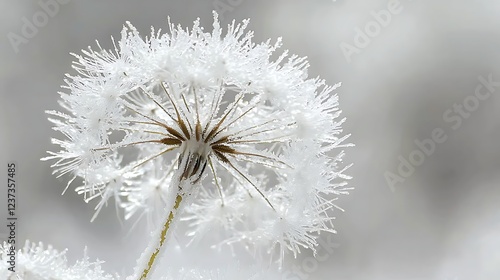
(35, 262)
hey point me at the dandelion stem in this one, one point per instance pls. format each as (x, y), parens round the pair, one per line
(163, 238)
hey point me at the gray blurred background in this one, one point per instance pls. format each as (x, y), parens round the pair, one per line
(442, 222)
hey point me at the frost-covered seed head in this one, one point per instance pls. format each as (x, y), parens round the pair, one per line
(257, 139)
(37, 262)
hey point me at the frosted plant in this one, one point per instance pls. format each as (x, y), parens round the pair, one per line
(205, 128)
(35, 262)
(38, 262)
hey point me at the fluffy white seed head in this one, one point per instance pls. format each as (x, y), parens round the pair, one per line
(257, 139)
(37, 262)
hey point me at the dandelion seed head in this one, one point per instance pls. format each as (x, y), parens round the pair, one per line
(257, 140)
(35, 261)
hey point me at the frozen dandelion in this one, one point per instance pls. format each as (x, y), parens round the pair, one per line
(37, 262)
(251, 144)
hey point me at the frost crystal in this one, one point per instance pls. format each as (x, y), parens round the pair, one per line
(35, 262)
(256, 142)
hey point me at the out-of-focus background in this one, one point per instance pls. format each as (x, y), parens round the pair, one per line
(423, 207)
